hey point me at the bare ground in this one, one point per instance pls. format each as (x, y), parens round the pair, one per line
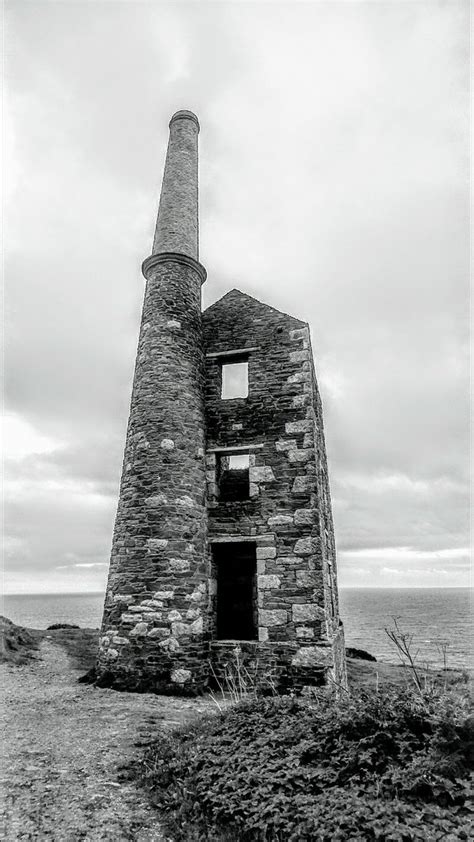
(64, 744)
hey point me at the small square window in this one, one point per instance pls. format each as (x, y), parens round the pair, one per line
(235, 380)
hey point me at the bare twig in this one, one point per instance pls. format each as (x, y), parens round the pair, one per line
(442, 647)
(337, 685)
(403, 643)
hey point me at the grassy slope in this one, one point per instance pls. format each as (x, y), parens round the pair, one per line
(20, 645)
(17, 645)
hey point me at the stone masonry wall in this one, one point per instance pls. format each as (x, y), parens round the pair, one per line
(288, 513)
(155, 614)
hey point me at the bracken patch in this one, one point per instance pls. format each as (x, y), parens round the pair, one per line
(378, 766)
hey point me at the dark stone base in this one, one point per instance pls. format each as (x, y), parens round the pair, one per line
(231, 666)
(266, 666)
(159, 684)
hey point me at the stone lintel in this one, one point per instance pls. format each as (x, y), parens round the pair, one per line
(237, 352)
(264, 539)
(224, 643)
(237, 448)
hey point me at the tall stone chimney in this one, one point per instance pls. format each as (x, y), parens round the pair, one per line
(177, 224)
(155, 609)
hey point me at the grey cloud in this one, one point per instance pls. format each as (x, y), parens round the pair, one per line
(51, 527)
(94, 461)
(432, 518)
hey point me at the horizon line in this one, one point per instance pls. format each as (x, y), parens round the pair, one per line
(340, 588)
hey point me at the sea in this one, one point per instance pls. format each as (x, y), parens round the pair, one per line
(437, 619)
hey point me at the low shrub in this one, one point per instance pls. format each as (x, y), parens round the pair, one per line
(359, 654)
(389, 766)
(55, 626)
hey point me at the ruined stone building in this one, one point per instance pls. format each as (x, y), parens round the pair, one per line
(224, 535)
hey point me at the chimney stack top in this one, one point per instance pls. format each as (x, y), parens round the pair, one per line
(185, 115)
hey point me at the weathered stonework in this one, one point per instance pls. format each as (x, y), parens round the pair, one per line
(289, 520)
(191, 531)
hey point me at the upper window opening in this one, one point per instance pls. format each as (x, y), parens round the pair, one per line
(235, 380)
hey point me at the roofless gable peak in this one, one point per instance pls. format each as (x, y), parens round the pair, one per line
(235, 297)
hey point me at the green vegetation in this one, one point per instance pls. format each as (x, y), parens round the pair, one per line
(20, 646)
(56, 626)
(391, 765)
(80, 645)
(17, 645)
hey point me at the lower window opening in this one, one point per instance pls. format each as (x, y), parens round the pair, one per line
(233, 477)
(236, 610)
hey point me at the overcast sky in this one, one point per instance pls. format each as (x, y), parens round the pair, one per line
(333, 186)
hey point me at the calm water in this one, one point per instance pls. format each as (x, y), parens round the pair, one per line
(431, 615)
(38, 611)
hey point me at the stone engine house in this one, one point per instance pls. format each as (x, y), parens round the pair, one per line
(224, 536)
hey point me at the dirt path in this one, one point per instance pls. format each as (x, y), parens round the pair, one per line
(63, 744)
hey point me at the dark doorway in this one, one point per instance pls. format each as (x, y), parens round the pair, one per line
(235, 569)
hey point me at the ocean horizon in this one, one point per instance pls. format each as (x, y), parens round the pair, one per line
(434, 616)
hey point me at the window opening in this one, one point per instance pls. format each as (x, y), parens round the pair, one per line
(235, 380)
(236, 609)
(233, 477)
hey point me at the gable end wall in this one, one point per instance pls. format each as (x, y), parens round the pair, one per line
(288, 514)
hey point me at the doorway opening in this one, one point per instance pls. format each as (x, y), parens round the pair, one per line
(235, 571)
